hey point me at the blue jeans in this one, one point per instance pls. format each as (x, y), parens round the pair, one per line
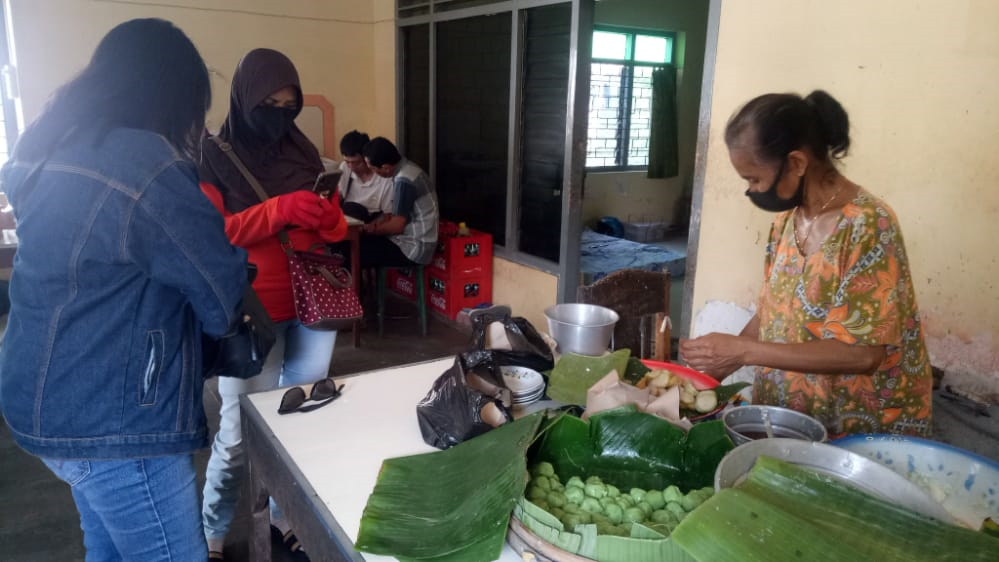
(136, 509)
(299, 356)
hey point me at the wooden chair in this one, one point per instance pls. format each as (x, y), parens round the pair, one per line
(641, 299)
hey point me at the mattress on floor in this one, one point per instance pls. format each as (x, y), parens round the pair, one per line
(600, 255)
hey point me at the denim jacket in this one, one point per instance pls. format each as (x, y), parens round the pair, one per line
(121, 264)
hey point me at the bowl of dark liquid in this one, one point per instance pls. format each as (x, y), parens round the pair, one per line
(753, 422)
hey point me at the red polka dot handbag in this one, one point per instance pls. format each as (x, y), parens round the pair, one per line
(324, 293)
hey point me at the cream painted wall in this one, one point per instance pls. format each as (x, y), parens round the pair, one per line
(918, 79)
(527, 291)
(338, 46)
(631, 196)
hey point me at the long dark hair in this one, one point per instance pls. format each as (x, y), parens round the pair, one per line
(779, 123)
(145, 74)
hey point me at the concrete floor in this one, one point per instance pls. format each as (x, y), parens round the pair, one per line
(39, 522)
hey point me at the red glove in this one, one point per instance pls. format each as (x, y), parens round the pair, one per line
(300, 208)
(332, 215)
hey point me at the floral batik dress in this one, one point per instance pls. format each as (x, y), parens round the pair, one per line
(856, 289)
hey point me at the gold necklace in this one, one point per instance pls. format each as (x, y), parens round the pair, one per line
(808, 230)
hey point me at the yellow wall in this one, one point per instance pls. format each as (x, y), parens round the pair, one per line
(630, 196)
(526, 290)
(918, 79)
(339, 47)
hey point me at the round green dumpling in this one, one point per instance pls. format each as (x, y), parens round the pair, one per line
(595, 490)
(645, 507)
(663, 516)
(556, 499)
(655, 499)
(574, 495)
(544, 468)
(634, 515)
(614, 512)
(536, 493)
(592, 505)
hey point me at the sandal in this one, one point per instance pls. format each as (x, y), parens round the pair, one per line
(215, 555)
(290, 541)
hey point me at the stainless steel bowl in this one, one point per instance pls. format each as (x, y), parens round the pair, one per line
(748, 423)
(835, 462)
(585, 329)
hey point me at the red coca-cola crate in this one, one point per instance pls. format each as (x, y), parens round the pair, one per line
(449, 294)
(402, 281)
(463, 255)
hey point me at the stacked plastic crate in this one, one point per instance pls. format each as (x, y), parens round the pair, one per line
(461, 273)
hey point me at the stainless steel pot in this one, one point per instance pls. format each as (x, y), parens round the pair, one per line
(585, 329)
(748, 423)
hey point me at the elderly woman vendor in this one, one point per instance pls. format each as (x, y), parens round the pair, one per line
(837, 332)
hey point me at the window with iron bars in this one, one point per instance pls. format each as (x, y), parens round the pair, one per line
(621, 68)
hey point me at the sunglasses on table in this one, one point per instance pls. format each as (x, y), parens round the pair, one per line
(322, 393)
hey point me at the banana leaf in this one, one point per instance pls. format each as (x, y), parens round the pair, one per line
(635, 370)
(643, 545)
(574, 374)
(632, 449)
(785, 511)
(451, 505)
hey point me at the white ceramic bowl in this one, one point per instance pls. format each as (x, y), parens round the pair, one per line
(967, 485)
(522, 380)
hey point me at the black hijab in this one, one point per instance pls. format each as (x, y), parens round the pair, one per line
(282, 166)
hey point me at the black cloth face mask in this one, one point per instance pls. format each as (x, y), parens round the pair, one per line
(271, 123)
(769, 200)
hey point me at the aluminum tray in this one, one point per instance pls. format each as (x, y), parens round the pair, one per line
(854, 469)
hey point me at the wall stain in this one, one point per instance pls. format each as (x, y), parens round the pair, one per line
(971, 363)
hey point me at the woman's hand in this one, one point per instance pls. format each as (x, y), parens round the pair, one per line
(718, 355)
(300, 208)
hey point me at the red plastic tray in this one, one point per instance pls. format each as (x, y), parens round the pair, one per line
(701, 380)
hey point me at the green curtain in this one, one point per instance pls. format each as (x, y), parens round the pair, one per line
(663, 149)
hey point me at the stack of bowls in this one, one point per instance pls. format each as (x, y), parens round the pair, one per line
(526, 385)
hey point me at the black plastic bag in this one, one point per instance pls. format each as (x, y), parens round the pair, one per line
(470, 398)
(463, 402)
(528, 347)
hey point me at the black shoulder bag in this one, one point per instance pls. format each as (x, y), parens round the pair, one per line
(242, 351)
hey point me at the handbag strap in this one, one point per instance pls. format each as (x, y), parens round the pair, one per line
(226, 149)
(346, 191)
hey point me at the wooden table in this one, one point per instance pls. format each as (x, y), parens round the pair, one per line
(354, 236)
(321, 466)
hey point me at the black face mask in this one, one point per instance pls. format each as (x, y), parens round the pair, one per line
(769, 200)
(271, 123)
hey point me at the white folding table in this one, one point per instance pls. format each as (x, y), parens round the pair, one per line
(321, 466)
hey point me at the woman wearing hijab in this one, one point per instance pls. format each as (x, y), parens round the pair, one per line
(260, 130)
(122, 265)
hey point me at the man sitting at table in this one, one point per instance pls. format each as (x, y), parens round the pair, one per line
(364, 194)
(408, 235)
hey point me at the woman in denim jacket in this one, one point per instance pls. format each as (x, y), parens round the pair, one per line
(122, 265)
